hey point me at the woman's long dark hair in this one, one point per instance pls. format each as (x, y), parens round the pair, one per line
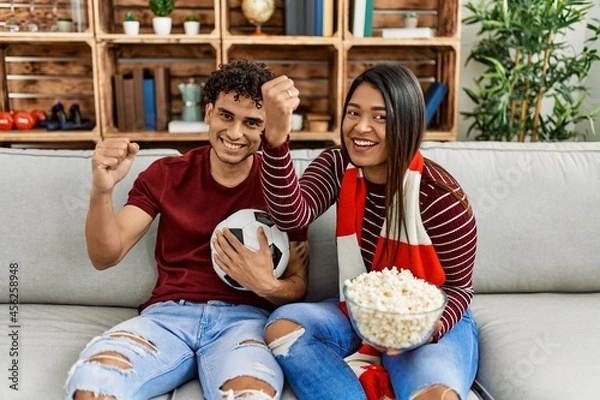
(404, 129)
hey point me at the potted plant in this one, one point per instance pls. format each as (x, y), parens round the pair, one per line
(191, 25)
(411, 19)
(131, 26)
(64, 24)
(162, 10)
(532, 86)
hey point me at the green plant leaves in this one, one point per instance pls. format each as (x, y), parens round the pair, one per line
(162, 8)
(531, 87)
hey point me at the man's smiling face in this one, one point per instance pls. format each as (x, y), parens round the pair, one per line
(235, 127)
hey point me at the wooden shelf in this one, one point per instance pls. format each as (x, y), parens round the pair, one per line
(281, 40)
(379, 41)
(307, 136)
(150, 38)
(11, 37)
(153, 136)
(42, 136)
(109, 15)
(440, 136)
(301, 136)
(39, 69)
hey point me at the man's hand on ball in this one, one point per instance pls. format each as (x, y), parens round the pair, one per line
(251, 269)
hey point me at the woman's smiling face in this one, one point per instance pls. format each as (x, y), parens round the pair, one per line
(363, 132)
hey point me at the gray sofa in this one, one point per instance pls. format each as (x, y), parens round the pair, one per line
(537, 276)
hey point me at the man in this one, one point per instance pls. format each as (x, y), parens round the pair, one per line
(193, 325)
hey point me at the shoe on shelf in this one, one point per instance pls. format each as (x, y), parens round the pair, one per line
(75, 114)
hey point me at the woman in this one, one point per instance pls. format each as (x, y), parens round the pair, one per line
(381, 185)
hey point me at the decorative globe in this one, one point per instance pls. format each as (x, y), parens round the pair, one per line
(258, 12)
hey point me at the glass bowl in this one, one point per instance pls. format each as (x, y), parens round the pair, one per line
(398, 331)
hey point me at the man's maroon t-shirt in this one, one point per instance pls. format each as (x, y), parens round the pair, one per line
(191, 203)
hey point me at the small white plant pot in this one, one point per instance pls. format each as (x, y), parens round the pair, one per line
(411, 22)
(191, 27)
(162, 25)
(131, 28)
(64, 26)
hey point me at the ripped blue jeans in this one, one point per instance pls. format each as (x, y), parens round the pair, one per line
(312, 357)
(171, 343)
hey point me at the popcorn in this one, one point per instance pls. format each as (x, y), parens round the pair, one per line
(393, 309)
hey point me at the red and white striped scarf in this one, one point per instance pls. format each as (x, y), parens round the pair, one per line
(411, 249)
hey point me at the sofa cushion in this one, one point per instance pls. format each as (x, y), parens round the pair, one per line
(539, 345)
(50, 340)
(537, 212)
(44, 197)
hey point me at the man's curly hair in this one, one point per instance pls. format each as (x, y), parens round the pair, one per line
(242, 77)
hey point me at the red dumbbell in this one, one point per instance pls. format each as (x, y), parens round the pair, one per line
(24, 121)
(6, 121)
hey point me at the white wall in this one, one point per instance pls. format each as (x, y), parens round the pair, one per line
(467, 73)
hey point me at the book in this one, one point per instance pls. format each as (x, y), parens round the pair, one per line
(149, 104)
(358, 18)
(162, 92)
(139, 122)
(368, 32)
(318, 30)
(178, 126)
(120, 112)
(434, 96)
(328, 16)
(128, 102)
(309, 17)
(294, 17)
(407, 33)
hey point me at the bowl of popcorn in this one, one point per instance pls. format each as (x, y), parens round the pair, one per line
(393, 309)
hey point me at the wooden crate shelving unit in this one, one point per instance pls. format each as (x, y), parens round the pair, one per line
(184, 60)
(40, 69)
(185, 56)
(431, 59)
(429, 63)
(109, 16)
(316, 63)
(322, 67)
(315, 69)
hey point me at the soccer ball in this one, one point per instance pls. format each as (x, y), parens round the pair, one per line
(243, 224)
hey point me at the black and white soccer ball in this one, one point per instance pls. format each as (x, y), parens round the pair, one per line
(244, 224)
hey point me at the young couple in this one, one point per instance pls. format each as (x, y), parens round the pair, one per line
(239, 344)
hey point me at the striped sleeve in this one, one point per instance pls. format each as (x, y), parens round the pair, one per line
(295, 202)
(451, 226)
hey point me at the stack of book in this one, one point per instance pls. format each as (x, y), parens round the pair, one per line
(309, 17)
(142, 99)
(434, 97)
(362, 18)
